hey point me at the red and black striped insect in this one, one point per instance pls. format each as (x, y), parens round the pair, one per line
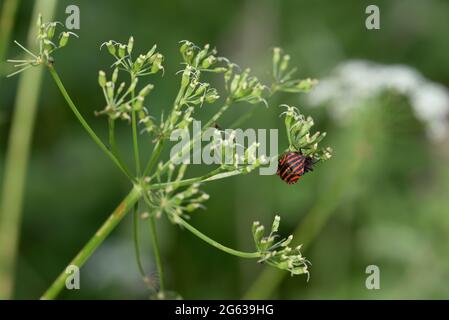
(292, 165)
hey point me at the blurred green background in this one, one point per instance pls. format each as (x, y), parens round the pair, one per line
(382, 200)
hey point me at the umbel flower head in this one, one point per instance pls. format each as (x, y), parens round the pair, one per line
(144, 64)
(301, 139)
(48, 43)
(278, 253)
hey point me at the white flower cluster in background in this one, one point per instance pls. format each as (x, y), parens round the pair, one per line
(354, 81)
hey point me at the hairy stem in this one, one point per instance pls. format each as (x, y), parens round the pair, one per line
(83, 122)
(117, 215)
(212, 242)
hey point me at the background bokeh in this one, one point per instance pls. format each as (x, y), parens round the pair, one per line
(381, 200)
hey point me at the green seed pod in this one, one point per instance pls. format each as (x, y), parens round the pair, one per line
(111, 47)
(157, 63)
(275, 226)
(146, 90)
(186, 45)
(64, 39)
(115, 75)
(284, 63)
(212, 96)
(276, 56)
(133, 85)
(110, 90)
(121, 51)
(130, 44)
(51, 30)
(186, 76)
(102, 78)
(151, 52)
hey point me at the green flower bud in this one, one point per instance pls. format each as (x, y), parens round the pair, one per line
(151, 52)
(130, 44)
(276, 56)
(157, 63)
(121, 51)
(110, 90)
(275, 226)
(51, 30)
(102, 78)
(111, 47)
(284, 63)
(146, 90)
(115, 75)
(64, 39)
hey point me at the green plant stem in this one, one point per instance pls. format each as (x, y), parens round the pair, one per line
(212, 242)
(7, 19)
(17, 154)
(313, 223)
(156, 252)
(154, 157)
(135, 137)
(136, 235)
(85, 125)
(185, 182)
(117, 215)
(189, 146)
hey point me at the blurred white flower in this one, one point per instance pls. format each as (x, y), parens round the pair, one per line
(354, 81)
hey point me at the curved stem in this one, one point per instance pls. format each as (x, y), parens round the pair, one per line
(212, 242)
(83, 122)
(156, 252)
(130, 200)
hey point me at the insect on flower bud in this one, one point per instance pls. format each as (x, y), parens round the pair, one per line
(102, 78)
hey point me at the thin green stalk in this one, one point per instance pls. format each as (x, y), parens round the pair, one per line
(113, 145)
(117, 215)
(156, 252)
(83, 122)
(185, 182)
(313, 223)
(7, 19)
(189, 146)
(135, 138)
(212, 242)
(17, 155)
(154, 157)
(136, 234)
